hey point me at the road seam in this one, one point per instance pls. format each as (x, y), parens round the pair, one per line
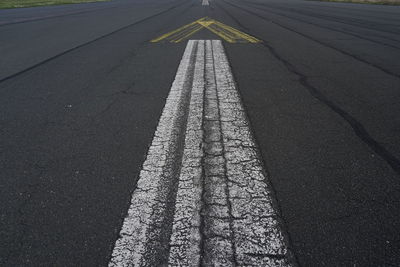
(358, 128)
(11, 76)
(315, 40)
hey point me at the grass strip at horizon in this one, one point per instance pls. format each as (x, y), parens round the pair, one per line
(6, 4)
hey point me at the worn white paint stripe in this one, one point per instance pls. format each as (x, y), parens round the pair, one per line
(217, 219)
(185, 238)
(257, 234)
(223, 213)
(149, 195)
(205, 3)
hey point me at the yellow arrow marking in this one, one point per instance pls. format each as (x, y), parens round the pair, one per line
(205, 23)
(226, 32)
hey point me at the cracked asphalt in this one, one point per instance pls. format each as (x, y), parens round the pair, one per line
(203, 197)
(82, 90)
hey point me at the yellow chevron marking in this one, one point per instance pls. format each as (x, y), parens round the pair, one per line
(205, 23)
(227, 33)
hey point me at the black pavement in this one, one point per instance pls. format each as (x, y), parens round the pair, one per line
(82, 89)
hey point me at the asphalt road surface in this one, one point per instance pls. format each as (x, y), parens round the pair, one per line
(82, 90)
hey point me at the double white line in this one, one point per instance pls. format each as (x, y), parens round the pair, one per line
(203, 197)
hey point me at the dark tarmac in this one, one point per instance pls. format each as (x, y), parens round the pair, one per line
(82, 89)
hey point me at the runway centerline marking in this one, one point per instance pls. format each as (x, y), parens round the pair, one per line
(227, 33)
(203, 196)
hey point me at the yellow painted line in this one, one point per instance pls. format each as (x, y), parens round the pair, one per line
(164, 36)
(184, 32)
(188, 34)
(226, 32)
(205, 23)
(221, 34)
(242, 35)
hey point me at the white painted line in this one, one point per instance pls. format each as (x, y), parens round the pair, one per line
(218, 246)
(257, 235)
(205, 3)
(185, 238)
(203, 197)
(148, 199)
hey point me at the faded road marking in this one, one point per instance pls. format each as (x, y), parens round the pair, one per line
(203, 197)
(149, 200)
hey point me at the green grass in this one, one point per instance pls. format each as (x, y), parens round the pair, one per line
(374, 2)
(32, 3)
